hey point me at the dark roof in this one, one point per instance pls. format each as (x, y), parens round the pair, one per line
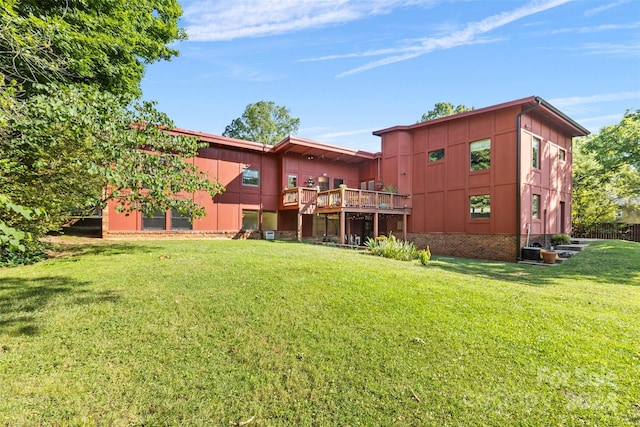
(290, 145)
(545, 109)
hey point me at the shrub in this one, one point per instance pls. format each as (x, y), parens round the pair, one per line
(390, 247)
(33, 251)
(560, 239)
(424, 256)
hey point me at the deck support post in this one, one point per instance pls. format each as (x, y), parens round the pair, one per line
(299, 228)
(375, 224)
(342, 228)
(404, 227)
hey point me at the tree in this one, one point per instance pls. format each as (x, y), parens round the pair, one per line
(443, 109)
(611, 179)
(73, 133)
(618, 145)
(593, 192)
(106, 43)
(263, 122)
(75, 148)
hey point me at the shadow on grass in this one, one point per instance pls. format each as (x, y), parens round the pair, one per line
(614, 262)
(22, 299)
(104, 248)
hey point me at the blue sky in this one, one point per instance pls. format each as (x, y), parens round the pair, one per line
(347, 68)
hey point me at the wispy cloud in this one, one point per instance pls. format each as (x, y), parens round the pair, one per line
(595, 99)
(218, 20)
(632, 49)
(333, 135)
(598, 28)
(596, 123)
(473, 33)
(597, 10)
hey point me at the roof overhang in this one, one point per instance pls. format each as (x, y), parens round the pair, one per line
(314, 150)
(545, 110)
(222, 141)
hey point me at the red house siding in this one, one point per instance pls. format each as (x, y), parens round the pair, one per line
(440, 189)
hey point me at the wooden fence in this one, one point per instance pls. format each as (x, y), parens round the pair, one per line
(609, 231)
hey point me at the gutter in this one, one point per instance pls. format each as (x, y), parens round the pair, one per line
(519, 172)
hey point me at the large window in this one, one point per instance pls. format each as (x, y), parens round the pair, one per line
(535, 153)
(480, 154)
(180, 222)
(436, 155)
(480, 206)
(249, 220)
(156, 221)
(292, 181)
(535, 207)
(250, 177)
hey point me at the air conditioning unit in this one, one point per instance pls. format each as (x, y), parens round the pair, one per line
(531, 254)
(269, 235)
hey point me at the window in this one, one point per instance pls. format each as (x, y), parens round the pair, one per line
(292, 181)
(480, 154)
(157, 221)
(363, 185)
(535, 207)
(372, 185)
(337, 182)
(480, 206)
(180, 222)
(562, 154)
(250, 177)
(269, 220)
(436, 155)
(535, 153)
(249, 220)
(323, 183)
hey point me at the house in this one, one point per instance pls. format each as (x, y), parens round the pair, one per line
(477, 184)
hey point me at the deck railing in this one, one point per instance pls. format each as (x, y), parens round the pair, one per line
(361, 199)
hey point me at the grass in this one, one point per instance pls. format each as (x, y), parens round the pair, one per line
(223, 332)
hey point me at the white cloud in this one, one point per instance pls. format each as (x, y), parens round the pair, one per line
(595, 124)
(217, 20)
(599, 28)
(334, 135)
(594, 99)
(611, 49)
(599, 9)
(465, 36)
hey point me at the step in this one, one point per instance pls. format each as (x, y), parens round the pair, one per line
(571, 247)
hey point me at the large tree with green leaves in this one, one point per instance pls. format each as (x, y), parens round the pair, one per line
(443, 109)
(73, 133)
(593, 192)
(104, 43)
(618, 145)
(263, 122)
(606, 174)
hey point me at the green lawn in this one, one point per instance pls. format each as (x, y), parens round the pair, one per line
(281, 334)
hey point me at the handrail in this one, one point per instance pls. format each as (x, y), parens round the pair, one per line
(344, 198)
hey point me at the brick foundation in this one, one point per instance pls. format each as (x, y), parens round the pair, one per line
(186, 234)
(499, 247)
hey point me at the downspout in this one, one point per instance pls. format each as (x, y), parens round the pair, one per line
(519, 173)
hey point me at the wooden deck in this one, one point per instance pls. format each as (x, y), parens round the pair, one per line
(310, 201)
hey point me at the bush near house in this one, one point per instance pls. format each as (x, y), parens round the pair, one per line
(391, 247)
